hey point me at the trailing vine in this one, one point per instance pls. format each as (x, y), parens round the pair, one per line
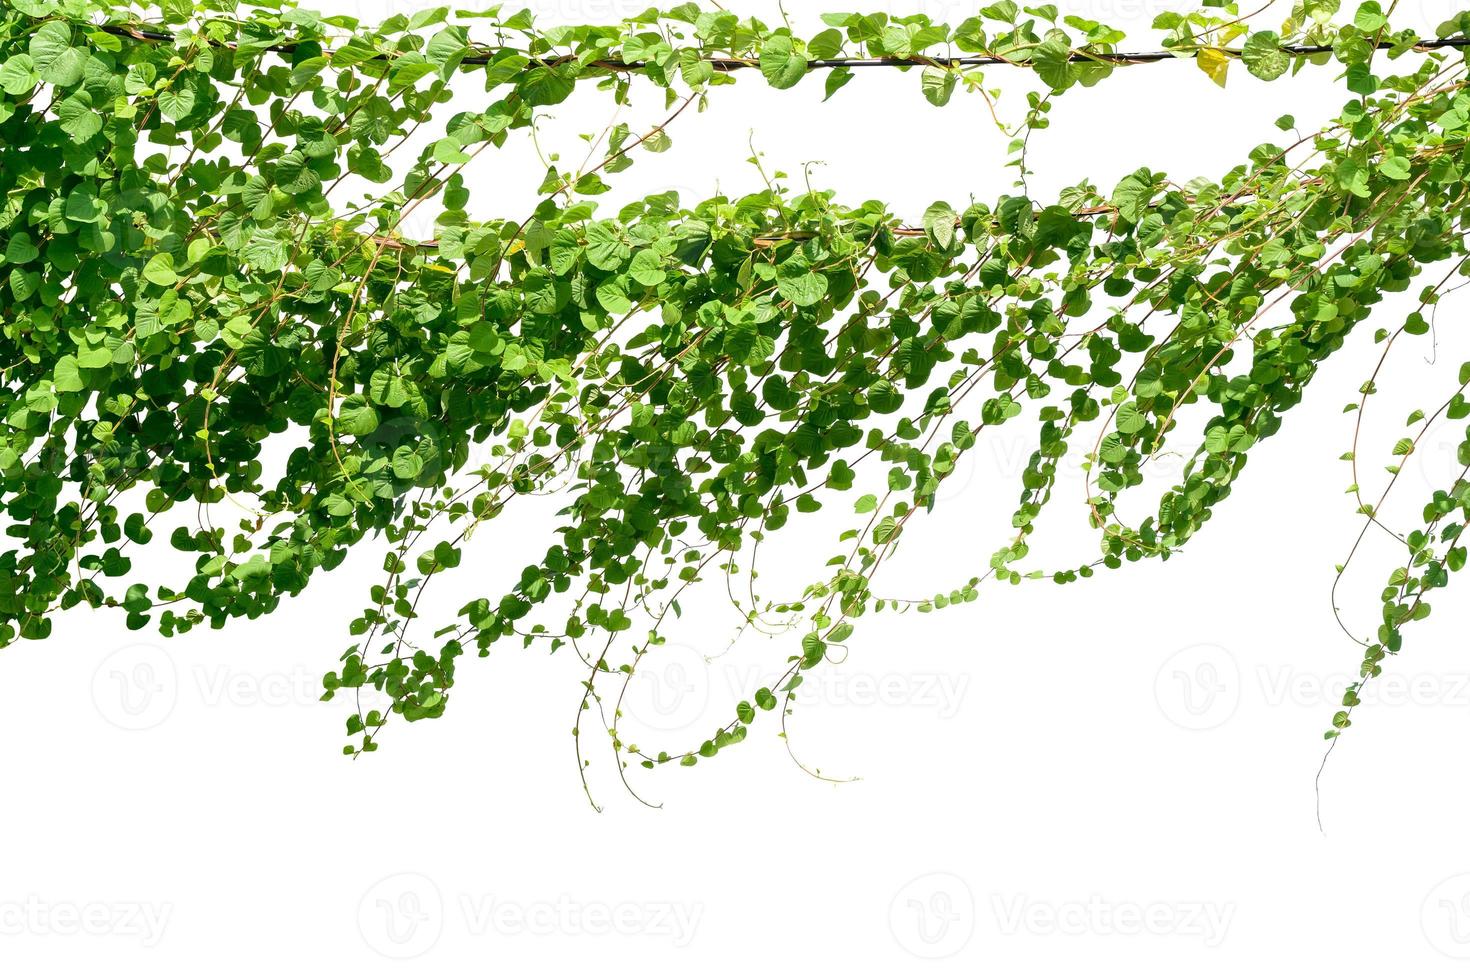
(204, 257)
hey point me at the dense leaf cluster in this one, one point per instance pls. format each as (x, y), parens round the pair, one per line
(184, 290)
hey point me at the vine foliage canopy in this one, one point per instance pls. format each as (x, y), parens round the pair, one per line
(203, 257)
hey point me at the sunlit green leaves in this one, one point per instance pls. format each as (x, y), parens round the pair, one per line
(782, 61)
(1369, 18)
(53, 56)
(356, 416)
(294, 174)
(264, 252)
(1052, 61)
(612, 296)
(805, 289)
(18, 74)
(160, 270)
(940, 222)
(67, 375)
(547, 85)
(938, 84)
(606, 248)
(1263, 56)
(185, 287)
(447, 49)
(176, 103)
(647, 268)
(77, 117)
(1132, 195)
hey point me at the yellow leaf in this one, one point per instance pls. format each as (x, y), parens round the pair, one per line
(1215, 63)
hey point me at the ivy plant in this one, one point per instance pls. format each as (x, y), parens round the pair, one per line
(203, 257)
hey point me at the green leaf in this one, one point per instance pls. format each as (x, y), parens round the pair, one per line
(613, 297)
(836, 78)
(807, 289)
(94, 357)
(1369, 18)
(160, 270)
(547, 86)
(937, 84)
(647, 267)
(54, 58)
(78, 119)
(84, 207)
(1130, 419)
(66, 375)
(1052, 60)
(447, 48)
(1395, 168)
(18, 75)
(406, 70)
(1361, 81)
(264, 252)
(19, 250)
(176, 103)
(451, 151)
(387, 387)
(782, 62)
(1132, 195)
(812, 651)
(940, 221)
(827, 44)
(294, 174)
(1263, 56)
(606, 248)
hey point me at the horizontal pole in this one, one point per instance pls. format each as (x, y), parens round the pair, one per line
(968, 61)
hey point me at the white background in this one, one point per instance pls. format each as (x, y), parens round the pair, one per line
(1115, 775)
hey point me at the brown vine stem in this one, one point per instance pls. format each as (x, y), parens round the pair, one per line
(483, 55)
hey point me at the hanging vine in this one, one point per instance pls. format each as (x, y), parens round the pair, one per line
(187, 283)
